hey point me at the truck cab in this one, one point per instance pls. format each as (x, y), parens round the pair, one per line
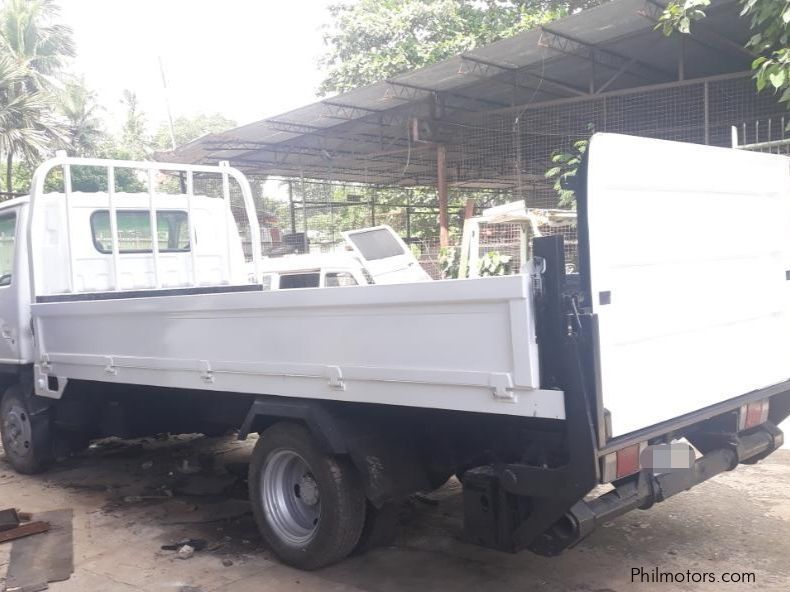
(323, 270)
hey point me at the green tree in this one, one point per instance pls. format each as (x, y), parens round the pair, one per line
(34, 48)
(371, 40)
(769, 21)
(186, 129)
(83, 127)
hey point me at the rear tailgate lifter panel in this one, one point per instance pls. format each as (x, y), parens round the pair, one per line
(688, 250)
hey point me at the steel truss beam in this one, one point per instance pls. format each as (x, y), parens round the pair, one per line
(607, 58)
(491, 71)
(290, 127)
(337, 111)
(486, 69)
(443, 93)
(346, 112)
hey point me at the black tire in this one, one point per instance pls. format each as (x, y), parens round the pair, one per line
(341, 514)
(26, 437)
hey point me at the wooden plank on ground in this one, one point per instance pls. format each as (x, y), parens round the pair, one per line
(23, 530)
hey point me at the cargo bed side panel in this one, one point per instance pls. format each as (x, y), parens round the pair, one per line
(689, 274)
(466, 345)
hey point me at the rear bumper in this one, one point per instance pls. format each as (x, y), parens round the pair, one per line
(497, 518)
(645, 489)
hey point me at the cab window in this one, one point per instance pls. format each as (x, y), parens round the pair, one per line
(134, 231)
(300, 280)
(7, 247)
(335, 279)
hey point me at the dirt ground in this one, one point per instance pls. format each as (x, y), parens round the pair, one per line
(130, 498)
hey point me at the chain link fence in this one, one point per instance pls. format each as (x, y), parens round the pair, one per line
(494, 158)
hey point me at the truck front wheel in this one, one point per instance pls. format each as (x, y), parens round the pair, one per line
(26, 436)
(309, 505)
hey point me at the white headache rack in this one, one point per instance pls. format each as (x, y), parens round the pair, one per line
(769, 135)
(150, 169)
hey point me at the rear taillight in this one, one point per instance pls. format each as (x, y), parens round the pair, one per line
(753, 414)
(622, 463)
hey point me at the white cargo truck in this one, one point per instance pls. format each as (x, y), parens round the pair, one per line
(135, 314)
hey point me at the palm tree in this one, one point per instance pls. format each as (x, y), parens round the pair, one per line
(24, 117)
(79, 109)
(29, 32)
(33, 47)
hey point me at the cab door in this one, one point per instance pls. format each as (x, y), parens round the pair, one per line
(9, 294)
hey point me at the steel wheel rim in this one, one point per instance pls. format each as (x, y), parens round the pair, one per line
(18, 432)
(291, 498)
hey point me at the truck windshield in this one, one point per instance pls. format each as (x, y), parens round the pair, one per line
(7, 247)
(134, 231)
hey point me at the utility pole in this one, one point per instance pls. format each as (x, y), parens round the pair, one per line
(167, 104)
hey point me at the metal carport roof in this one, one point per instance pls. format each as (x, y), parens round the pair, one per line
(360, 135)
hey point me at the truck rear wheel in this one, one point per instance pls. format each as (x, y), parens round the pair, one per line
(309, 505)
(26, 437)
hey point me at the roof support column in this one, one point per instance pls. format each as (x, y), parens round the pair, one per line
(441, 192)
(682, 58)
(706, 114)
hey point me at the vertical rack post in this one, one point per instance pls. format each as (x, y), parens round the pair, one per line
(116, 248)
(67, 192)
(224, 165)
(252, 218)
(191, 227)
(154, 228)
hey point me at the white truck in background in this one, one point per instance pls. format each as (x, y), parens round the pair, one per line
(378, 256)
(534, 388)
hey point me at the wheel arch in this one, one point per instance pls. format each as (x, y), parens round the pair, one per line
(17, 375)
(266, 411)
(390, 467)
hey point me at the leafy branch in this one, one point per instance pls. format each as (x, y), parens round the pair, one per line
(566, 165)
(770, 40)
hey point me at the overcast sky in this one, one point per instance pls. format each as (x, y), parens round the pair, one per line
(247, 59)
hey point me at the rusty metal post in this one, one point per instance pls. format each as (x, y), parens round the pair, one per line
(469, 208)
(441, 190)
